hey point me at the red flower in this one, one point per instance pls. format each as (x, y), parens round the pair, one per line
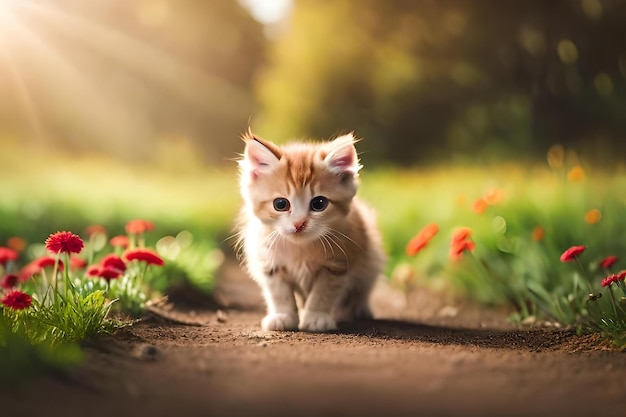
(93, 271)
(457, 248)
(64, 242)
(120, 241)
(45, 261)
(105, 272)
(571, 254)
(608, 261)
(9, 281)
(611, 279)
(113, 261)
(137, 227)
(420, 240)
(36, 266)
(77, 263)
(7, 254)
(109, 273)
(144, 255)
(17, 300)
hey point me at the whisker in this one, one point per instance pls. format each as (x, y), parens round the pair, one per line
(335, 239)
(347, 238)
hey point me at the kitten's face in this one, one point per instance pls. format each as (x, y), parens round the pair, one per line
(300, 190)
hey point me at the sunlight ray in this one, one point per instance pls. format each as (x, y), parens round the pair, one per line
(24, 97)
(148, 61)
(71, 89)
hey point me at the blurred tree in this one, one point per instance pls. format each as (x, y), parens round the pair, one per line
(123, 76)
(441, 78)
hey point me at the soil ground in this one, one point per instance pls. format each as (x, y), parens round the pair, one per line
(420, 356)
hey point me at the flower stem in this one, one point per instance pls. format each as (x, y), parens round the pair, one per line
(613, 302)
(66, 274)
(582, 269)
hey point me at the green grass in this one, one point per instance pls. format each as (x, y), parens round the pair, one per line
(507, 266)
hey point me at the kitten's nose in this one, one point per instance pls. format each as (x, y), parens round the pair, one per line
(299, 225)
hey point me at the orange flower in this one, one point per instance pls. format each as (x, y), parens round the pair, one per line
(95, 229)
(493, 196)
(138, 227)
(538, 233)
(479, 206)
(576, 174)
(16, 243)
(120, 241)
(593, 216)
(420, 240)
(457, 248)
(461, 242)
(460, 234)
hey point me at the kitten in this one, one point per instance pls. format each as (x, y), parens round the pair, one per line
(303, 233)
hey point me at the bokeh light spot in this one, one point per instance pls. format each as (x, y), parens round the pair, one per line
(567, 51)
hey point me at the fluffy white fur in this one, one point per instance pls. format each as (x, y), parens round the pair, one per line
(315, 267)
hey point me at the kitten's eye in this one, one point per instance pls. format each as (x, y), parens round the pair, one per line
(319, 203)
(281, 204)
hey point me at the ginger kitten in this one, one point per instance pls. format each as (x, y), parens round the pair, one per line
(304, 233)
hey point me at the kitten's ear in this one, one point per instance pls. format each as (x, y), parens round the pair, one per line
(260, 156)
(342, 157)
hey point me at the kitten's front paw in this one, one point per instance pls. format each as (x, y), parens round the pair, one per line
(317, 321)
(280, 322)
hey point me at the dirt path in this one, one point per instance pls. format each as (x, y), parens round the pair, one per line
(405, 363)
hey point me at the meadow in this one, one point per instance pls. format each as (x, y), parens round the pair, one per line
(497, 234)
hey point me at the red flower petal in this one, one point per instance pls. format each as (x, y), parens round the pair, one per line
(109, 273)
(93, 271)
(17, 300)
(113, 261)
(77, 263)
(610, 280)
(144, 255)
(608, 261)
(7, 254)
(572, 253)
(45, 261)
(9, 281)
(64, 242)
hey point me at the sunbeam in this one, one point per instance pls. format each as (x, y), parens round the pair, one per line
(96, 84)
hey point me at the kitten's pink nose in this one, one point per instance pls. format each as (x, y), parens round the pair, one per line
(299, 225)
